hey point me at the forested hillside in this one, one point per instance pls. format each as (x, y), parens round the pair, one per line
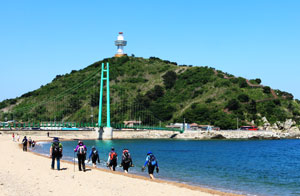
(168, 91)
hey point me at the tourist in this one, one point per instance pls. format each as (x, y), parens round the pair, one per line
(95, 156)
(112, 159)
(33, 144)
(13, 136)
(30, 142)
(126, 160)
(81, 155)
(56, 152)
(18, 137)
(152, 163)
(24, 142)
(48, 134)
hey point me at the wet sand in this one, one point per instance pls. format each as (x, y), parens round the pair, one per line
(27, 173)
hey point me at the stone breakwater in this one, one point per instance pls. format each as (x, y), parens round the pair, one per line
(155, 134)
(204, 135)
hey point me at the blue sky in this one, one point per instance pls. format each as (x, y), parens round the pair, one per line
(252, 39)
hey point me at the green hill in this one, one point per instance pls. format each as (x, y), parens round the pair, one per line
(167, 91)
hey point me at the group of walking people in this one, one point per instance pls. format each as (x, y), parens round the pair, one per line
(16, 138)
(56, 151)
(27, 142)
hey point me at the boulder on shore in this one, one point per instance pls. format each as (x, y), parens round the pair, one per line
(218, 137)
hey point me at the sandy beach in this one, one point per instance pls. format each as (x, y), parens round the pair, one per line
(26, 173)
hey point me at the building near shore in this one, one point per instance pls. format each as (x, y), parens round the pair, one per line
(132, 123)
(193, 127)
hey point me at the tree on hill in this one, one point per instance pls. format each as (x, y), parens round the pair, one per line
(258, 80)
(95, 99)
(74, 104)
(243, 98)
(233, 104)
(169, 79)
(155, 93)
(267, 90)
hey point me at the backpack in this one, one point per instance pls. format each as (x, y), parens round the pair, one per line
(113, 156)
(56, 150)
(126, 157)
(81, 150)
(24, 141)
(152, 160)
(95, 153)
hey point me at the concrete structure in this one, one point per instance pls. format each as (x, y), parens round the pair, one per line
(107, 132)
(120, 43)
(179, 126)
(132, 123)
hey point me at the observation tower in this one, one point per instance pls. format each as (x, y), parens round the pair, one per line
(120, 43)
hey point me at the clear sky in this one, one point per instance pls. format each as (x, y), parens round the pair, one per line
(249, 38)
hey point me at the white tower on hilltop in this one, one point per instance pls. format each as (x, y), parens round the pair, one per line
(120, 43)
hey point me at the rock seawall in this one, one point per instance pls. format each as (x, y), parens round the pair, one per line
(158, 134)
(204, 135)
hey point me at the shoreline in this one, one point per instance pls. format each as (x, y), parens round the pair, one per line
(136, 176)
(14, 177)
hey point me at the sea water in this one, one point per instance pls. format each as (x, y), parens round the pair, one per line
(251, 167)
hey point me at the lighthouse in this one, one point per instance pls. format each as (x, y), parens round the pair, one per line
(120, 43)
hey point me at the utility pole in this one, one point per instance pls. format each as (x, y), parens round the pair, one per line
(237, 123)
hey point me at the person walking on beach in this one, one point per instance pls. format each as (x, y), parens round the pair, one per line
(81, 155)
(30, 142)
(151, 161)
(126, 160)
(112, 159)
(56, 149)
(95, 156)
(13, 137)
(48, 134)
(33, 144)
(18, 137)
(24, 142)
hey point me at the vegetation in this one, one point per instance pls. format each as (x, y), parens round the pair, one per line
(166, 91)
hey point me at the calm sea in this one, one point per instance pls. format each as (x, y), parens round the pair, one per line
(256, 167)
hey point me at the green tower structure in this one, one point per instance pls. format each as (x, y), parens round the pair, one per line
(104, 78)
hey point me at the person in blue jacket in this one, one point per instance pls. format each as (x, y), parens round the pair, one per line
(95, 156)
(151, 161)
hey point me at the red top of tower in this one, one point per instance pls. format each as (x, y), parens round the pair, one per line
(120, 32)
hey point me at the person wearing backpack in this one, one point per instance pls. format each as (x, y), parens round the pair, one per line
(56, 152)
(126, 160)
(151, 161)
(81, 155)
(95, 156)
(30, 142)
(112, 159)
(24, 142)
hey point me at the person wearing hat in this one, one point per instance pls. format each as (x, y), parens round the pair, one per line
(81, 155)
(112, 159)
(95, 156)
(56, 152)
(126, 160)
(151, 161)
